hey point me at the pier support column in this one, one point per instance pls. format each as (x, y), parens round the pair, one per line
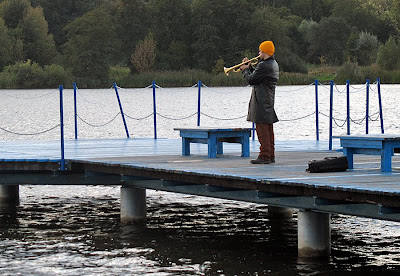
(9, 194)
(133, 205)
(279, 212)
(314, 234)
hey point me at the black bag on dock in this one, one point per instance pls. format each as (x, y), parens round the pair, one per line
(328, 164)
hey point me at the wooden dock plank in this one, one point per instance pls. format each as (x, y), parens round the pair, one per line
(162, 158)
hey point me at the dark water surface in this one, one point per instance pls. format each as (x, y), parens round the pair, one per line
(67, 230)
(76, 231)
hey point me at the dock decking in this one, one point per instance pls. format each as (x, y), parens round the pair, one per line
(159, 164)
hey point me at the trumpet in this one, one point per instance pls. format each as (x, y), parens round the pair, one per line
(236, 69)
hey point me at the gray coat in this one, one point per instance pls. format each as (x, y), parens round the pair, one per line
(263, 79)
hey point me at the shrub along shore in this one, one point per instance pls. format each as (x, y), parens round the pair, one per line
(30, 75)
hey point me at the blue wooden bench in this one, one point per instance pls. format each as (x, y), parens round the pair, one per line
(381, 144)
(214, 137)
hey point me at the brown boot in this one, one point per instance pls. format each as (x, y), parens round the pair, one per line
(261, 161)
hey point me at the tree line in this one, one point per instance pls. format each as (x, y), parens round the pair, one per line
(48, 42)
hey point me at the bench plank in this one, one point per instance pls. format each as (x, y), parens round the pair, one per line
(380, 144)
(214, 138)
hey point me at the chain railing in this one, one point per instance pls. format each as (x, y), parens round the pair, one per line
(348, 89)
(338, 122)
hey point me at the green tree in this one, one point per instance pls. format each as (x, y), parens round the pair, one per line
(89, 50)
(394, 15)
(38, 44)
(208, 24)
(17, 45)
(276, 25)
(171, 28)
(328, 41)
(5, 45)
(220, 30)
(237, 16)
(133, 22)
(360, 14)
(367, 48)
(12, 11)
(61, 12)
(312, 9)
(304, 30)
(144, 56)
(389, 55)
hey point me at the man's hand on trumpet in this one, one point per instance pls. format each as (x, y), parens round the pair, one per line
(245, 66)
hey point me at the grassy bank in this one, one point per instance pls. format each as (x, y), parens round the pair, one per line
(190, 77)
(31, 75)
(351, 71)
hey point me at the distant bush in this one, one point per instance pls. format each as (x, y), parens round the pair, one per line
(389, 55)
(55, 75)
(294, 78)
(359, 74)
(191, 77)
(181, 79)
(31, 75)
(118, 73)
(290, 62)
(349, 71)
(25, 74)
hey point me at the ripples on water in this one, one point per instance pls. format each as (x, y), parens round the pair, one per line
(76, 230)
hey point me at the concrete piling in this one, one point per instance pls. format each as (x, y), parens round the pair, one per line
(314, 234)
(9, 194)
(133, 205)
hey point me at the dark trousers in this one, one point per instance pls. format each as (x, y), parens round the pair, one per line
(265, 133)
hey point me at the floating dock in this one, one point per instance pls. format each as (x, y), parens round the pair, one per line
(139, 164)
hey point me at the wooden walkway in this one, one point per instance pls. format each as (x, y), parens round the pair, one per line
(159, 164)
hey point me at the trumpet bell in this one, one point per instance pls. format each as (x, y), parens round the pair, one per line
(226, 71)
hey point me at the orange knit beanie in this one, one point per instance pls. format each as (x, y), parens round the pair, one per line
(267, 47)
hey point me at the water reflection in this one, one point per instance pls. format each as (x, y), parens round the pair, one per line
(71, 234)
(8, 214)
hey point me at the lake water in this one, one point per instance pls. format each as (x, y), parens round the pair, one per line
(76, 230)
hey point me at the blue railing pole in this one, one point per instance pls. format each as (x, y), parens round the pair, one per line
(316, 110)
(254, 131)
(198, 103)
(367, 108)
(75, 113)
(348, 105)
(330, 115)
(154, 109)
(62, 165)
(378, 83)
(122, 111)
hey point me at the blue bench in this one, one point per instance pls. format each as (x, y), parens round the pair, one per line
(380, 144)
(214, 137)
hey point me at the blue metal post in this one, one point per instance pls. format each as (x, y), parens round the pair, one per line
(122, 111)
(154, 109)
(378, 82)
(198, 103)
(254, 131)
(75, 113)
(62, 165)
(348, 105)
(330, 116)
(316, 110)
(367, 108)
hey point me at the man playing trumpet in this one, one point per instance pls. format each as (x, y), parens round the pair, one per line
(261, 111)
